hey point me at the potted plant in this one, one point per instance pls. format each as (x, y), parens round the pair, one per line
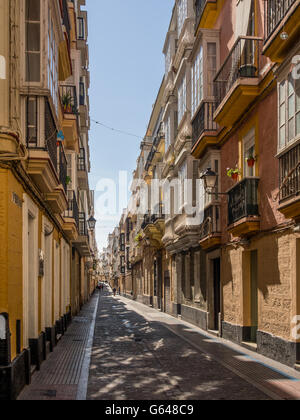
(67, 102)
(233, 173)
(251, 161)
(68, 180)
(247, 70)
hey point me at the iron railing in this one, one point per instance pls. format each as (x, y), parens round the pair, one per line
(243, 200)
(211, 222)
(275, 12)
(63, 168)
(204, 120)
(289, 172)
(68, 98)
(243, 61)
(72, 211)
(50, 135)
(147, 221)
(158, 213)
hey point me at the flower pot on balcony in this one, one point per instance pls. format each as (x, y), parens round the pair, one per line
(248, 70)
(235, 176)
(251, 162)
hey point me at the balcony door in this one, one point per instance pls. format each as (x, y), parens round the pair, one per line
(248, 153)
(254, 295)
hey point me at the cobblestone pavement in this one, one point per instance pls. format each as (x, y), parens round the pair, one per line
(62, 375)
(138, 353)
(135, 357)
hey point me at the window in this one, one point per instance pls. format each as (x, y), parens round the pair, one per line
(182, 100)
(249, 152)
(181, 14)
(168, 59)
(81, 92)
(52, 64)
(32, 121)
(197, 81)
(182, 177)
(33, 43)
(211, 67)
(81, 28)
(168, 132)
(289, 111)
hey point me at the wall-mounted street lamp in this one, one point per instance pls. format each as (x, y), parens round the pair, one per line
(210, 182)
(92, 223)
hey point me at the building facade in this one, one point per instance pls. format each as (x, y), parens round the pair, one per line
(47, 251)
(226, 258)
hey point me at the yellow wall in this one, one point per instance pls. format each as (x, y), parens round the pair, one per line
(11, 277)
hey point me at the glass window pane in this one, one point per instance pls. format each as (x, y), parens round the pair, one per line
(282, 92)
(292, 129)
(33, 37)
(33, 67)
(298, 124)
(33, 10)
(282, 137)
(282, 115)
(291, 112)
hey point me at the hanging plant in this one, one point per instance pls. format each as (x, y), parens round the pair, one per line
(233, 173)
(68, 180)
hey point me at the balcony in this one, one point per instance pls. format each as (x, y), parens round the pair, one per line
(281, 16)
(204, 129)
(154, 226)
(207, 12)
(71, 217)
(69, 106)
(236, 84)
(289, 194)
(243, 208)
(210, 235)
(46, 164)
(82, 243)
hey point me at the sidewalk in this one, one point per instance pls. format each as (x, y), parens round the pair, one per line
(64, 375)
(274, 379)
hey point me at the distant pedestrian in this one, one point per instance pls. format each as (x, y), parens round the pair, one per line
(114, 291)
(120, 291)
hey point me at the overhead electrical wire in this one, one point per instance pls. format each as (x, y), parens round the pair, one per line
(117, 130)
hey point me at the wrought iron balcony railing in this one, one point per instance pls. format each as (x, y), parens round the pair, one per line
(289, 170)
(63, 167)
(68, 98)
(243, 200)
(275, 12)
(243, 61)
(72, 211)
(211, 222)
(204, 120)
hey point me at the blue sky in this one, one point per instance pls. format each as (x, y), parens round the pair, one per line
(126, 39)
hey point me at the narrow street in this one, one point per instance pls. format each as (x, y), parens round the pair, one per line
(141, 354)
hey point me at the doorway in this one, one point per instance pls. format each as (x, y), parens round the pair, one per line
(217, 292)
(254, 295)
